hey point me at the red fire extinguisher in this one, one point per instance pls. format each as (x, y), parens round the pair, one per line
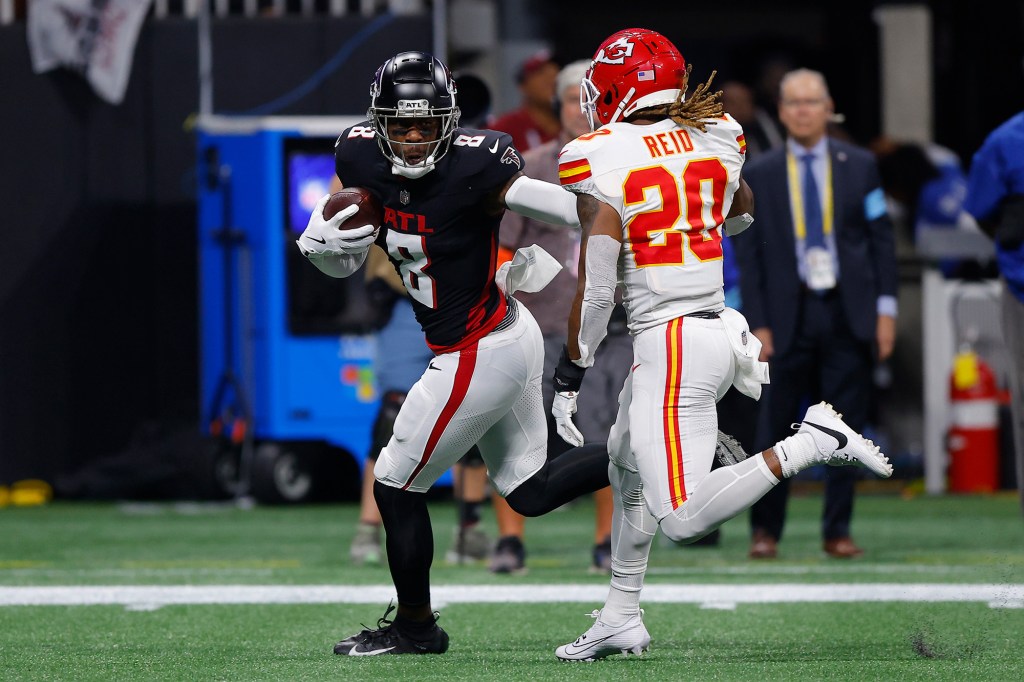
(973, 440)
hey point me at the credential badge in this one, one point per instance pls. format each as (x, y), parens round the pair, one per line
(403, 197)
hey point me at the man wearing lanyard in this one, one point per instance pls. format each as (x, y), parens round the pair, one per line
(818, 279)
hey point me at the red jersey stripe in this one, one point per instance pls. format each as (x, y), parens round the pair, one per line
(572, 172)
(570, 165)
(574, 178)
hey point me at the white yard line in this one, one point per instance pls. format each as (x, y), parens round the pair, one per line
(707, 596)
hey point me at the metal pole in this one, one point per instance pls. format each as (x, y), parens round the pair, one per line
(205, 60)
(441, 30)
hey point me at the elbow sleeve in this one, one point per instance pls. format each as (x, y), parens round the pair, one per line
(542, 201)
(598, 295)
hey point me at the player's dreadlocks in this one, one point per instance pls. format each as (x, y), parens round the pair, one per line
(698, 111)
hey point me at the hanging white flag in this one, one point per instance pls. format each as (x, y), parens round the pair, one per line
(94, 37)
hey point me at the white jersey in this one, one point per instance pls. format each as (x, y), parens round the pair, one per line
(672, 187)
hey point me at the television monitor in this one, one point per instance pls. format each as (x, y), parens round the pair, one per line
(317, 304)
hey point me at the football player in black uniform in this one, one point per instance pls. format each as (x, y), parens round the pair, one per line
(443, 189)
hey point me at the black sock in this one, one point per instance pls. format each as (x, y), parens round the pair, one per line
(410, 542)
(415, 629)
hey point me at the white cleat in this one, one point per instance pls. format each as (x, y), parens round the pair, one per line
(604, 640)
(840, 444)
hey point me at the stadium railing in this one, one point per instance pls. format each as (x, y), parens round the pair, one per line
(13, 11)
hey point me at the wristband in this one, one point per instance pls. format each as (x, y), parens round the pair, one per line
(568, 375)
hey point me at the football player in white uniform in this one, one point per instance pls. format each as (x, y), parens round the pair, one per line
(658, 182)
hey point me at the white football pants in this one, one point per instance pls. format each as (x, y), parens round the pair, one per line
(488, 395)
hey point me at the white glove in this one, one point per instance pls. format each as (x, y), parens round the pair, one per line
(325, 237)
(563, 408)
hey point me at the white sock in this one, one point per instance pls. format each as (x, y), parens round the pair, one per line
(633, 530)
(623, 600)
(797, 452)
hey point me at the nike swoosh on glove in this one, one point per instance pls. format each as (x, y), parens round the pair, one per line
(325, 237)
(563, 408)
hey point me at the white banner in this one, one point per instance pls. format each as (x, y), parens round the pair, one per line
(94, 37)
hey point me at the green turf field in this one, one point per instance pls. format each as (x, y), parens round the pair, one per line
(945, 550)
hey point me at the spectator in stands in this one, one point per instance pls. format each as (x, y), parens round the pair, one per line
(535, 121)
(995, 196)
(930, 192)
(759, 128)
(926, 187)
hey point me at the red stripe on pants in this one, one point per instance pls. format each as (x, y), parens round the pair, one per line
(463, 375)
(670, 411)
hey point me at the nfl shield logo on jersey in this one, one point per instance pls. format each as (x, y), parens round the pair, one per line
(403, 197)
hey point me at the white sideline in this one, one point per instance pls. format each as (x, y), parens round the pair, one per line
(708, 596)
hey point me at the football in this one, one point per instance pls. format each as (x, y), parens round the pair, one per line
(369, 212)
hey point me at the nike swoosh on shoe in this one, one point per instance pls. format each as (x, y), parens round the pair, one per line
(840, 437)
(590, 645)
(376, 652)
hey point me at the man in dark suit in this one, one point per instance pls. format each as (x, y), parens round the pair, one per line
(818, 279)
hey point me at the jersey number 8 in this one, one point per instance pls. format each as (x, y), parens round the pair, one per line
(413, 263)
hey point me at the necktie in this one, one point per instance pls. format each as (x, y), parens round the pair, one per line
(814, 235)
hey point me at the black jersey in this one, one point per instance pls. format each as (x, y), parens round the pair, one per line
(436, 229)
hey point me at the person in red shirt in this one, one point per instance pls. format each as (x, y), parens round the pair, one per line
(534, 122)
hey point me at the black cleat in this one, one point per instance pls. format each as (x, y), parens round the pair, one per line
(728, 450)
(387, 639)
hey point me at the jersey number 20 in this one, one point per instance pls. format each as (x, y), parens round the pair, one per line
(666, 246)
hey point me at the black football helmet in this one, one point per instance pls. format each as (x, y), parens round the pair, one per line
(413, 85)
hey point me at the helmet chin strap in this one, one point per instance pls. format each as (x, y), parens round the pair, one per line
(414, 172)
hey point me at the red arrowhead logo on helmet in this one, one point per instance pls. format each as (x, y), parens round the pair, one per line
(615, 52)
(633, 69)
